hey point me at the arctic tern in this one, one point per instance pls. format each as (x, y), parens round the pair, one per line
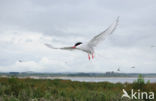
(89, 46)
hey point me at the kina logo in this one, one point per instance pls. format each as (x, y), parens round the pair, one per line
(137, 95)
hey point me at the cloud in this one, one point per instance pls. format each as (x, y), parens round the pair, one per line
(26, 25)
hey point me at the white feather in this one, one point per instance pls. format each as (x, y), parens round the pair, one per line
(100, 37)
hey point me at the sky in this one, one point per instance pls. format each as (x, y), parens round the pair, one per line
(25, 25)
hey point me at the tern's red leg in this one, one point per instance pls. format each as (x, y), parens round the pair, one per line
(88, 56)
(92, 55)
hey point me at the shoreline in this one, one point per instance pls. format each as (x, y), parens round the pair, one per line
(75, 76)
(88, 79)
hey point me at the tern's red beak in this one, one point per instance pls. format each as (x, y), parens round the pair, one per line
(74, 47)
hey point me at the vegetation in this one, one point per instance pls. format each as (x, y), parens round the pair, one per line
(15, 89)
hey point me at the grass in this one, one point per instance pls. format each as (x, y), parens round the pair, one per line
(15, 89)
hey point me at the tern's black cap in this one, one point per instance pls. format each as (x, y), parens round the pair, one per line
(78, 43)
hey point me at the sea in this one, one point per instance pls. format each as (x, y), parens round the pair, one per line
(100, 79)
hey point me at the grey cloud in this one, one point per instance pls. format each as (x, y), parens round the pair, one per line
(70, 21)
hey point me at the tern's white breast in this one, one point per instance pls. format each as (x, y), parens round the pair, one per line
(86, 48)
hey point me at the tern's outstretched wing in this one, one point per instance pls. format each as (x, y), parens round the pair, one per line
(64, 48)
(93, 42)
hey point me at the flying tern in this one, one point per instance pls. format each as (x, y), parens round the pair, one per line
(90, 46)
(118, 69)
(152, 46)
(20, 61)
(133, 67)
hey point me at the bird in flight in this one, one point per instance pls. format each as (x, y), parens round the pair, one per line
(20, 61)
(118, 69)
(152, 46)
(133, 67)
(90, 46)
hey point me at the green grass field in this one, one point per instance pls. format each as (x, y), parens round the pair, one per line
(14, 89)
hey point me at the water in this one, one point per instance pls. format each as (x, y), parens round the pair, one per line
(99, 79)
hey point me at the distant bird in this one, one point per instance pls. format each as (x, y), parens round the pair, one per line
(152, 46)
(133, 67)
(89, 47)
(118, 69)
(66, 62)
(20, 61)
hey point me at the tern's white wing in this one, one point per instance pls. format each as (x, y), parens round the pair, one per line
(64, 48)
(93, 42)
